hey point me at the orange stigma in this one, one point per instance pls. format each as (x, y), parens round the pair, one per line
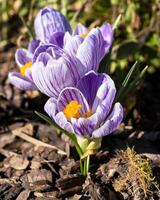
(72, 110)
(24, 67)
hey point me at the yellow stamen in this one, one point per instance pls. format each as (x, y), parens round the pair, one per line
(84, 35)
(72, 110)
(24, 67)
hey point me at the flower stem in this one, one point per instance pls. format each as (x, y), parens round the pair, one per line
(84, 167)
(87, 164)
(81, 166)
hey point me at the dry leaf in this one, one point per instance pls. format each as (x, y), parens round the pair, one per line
(18, 162)
(23, 195)
(6, 139)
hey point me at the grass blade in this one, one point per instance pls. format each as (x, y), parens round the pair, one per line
(29, 31)
(126, 81)
(116, 22)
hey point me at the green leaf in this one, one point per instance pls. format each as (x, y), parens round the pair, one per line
(137, 81)
(72, 136)
(127, 85)
(44, 117)
(29, 31)
(126, 82)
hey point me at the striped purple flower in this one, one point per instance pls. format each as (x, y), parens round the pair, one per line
(56, 68)
(52, 27)
(87, 109)
(80, 35)
(47, 22)
(50, 22)
(24, 59)
(82, 51)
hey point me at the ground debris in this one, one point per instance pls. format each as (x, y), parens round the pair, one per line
(45, 153)
(68, 166)
(6, 139)
(23, 134)
(70, 184)
(92, 189)
(10, 193)
(11, 181)
(75, 197)
(37, 180)
(46, 195)
(23, 195)
(17, 162)
(108, 170)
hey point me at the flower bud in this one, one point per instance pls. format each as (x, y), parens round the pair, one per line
(49, 21)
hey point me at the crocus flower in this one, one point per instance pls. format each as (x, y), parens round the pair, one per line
(80, 33)
(50, 22)
(87, 109)
(55, 68)
(52, 27)
(89, 50)
(24, 59)
(82, 42)
(47, 22)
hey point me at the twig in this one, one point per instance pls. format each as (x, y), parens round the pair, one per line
(36, 142)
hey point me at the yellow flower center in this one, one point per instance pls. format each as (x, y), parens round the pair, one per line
(72, 110)
(84, 35)
(24, 67)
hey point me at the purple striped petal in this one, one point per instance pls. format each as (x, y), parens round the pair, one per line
(104, 98)
(74, 68)
(22, 82)
(61, 120)
(51, 108)
(57, 39)
(51, 79)
(85, 126)
(49, 21)
(72, 94)
(23, 56)
(99, 91)
(51, 49)
(33, 46)
(44, 58)
(111, 124)
(72, 43)
(79, 29)
(107, 33)
(89, 85)
(92, 50)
